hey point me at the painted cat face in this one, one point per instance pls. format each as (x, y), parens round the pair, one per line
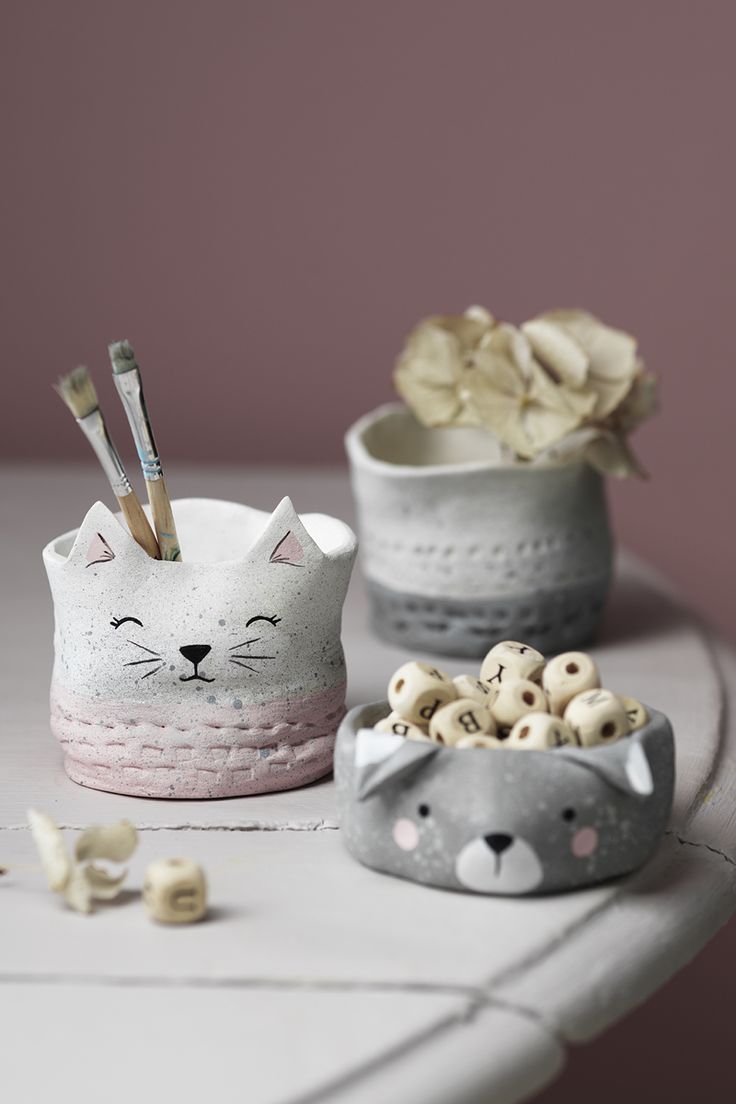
(255, 605)
(502, 821)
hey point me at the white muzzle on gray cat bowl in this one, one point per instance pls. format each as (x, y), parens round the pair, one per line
(220, 676)
(460, 550)
(502, 821)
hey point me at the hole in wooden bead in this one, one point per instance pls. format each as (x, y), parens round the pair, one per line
(524, 732)
(609, 729)
(527, 697)
(572, 668)
(399, 686)
(440, 738)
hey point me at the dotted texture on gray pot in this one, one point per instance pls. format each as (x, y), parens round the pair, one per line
(460, 551)
(500, 821)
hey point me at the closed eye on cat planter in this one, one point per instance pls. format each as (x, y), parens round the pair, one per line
(118, 621)
(262, 617)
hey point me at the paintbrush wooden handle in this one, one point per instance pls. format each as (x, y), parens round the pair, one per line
(163, 520)
(139, 525)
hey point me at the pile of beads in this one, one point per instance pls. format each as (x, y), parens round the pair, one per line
(519, 701)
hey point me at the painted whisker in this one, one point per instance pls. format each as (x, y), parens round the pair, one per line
(143, 648)
(154, 671)
(136, 662)
(252, 657)
(244, 643)
(239, 664)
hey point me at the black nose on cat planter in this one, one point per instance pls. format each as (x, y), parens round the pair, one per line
(195, 653)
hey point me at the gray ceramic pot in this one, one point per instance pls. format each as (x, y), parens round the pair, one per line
(502, 821)
(460, 551)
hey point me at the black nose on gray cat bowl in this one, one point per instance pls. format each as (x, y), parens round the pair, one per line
(432, 814)
(499, 842)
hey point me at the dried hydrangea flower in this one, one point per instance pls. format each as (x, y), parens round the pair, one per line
(79, 879)
(606, 450)
(515, 396)
(430, 372)
(639, 404)
(564, 386)
(586, 354)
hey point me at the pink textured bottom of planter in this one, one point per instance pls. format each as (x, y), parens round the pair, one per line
(138, 750)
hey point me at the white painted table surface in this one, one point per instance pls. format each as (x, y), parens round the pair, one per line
(316, 979)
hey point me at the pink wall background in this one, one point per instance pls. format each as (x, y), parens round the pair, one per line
(265, 196)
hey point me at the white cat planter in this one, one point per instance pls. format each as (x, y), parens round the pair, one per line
(220, 676)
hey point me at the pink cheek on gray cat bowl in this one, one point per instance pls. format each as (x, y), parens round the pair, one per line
(460, 551)
(220, 676)
(501, 821)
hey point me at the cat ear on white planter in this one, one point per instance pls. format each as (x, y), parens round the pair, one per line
(102, 542)
(285, 542)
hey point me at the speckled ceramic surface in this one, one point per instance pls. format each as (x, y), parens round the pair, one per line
(460, 551)
(219, 676)
(502, 821)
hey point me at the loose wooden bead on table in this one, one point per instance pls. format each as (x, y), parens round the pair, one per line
(175, 891)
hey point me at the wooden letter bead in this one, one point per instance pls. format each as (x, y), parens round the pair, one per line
(539, 731)
(479, 691)
(175, 891)
(636, 713)
(418, 690)
(511, 659)
(479, 742)
(400, 727)
(517, 697)
(567, 675)
(597, 717)
(463, 717)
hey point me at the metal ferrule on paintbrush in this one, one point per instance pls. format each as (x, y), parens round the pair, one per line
(78, 392)
(130, 390)
(94, 428)
(127, 376)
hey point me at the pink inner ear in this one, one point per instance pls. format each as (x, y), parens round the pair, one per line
(99, 551)
(289, 550)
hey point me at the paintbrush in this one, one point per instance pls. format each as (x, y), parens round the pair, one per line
(127, 376)
(78, 392)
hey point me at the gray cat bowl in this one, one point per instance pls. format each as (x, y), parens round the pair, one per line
(502, 821)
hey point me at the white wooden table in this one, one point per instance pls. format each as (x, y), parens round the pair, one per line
(315, 979)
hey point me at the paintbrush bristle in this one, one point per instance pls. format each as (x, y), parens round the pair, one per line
(122, 357)
(78, 392)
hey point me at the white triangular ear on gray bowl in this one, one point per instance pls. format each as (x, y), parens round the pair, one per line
(285, 542)
(382, 757)
(103, 542)
(627, 770)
